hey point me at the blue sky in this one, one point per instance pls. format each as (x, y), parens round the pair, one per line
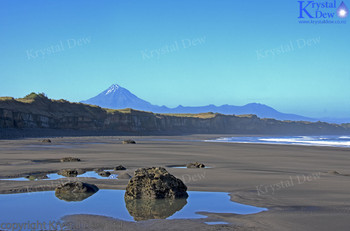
(177, 52)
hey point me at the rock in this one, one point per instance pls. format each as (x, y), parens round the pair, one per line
(155, 183)
(104, 174)
(70, 159)
(195, 165)
(120, 167)
(37, 177)
(143, 209)
(68, 172)
(75, 191)
(46, 141)
(97, 170)
(129, 141)
(124, 175)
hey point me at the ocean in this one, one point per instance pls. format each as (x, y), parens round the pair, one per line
(331, 141)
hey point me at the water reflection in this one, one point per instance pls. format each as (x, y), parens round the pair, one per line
(70, 197)
(142, 209)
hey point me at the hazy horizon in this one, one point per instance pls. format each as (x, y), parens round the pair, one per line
(190, 53)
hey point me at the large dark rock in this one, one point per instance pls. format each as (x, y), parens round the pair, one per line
(155, 183)
(68, 172)
(70, 159)
(75, 191)
(145, 209)
(120, 167)
(195, 165)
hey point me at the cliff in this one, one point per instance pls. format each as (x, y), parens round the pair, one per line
(36, 111)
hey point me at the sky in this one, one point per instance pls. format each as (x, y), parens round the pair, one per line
(188, 52)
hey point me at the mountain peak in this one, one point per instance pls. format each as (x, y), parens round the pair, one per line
(113, 88)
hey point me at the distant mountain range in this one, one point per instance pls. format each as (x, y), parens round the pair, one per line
(117, 97)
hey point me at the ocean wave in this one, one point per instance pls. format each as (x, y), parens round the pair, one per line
(331, 141)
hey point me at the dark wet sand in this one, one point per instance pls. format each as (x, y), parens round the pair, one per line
(293, 182)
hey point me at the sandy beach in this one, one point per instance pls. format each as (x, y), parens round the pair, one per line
(303, 187)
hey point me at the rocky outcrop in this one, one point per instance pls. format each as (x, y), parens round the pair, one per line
(155, 183)
(75, 191)
(68, 172)
(39, 112)
(195, 165)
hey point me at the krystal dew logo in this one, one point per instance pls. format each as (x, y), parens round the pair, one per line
(317, 12)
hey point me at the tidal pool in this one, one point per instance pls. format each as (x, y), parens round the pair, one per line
(55, 176)
(46, 207)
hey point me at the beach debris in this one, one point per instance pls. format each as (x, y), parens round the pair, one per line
(104, 174)
(129, 141)
(155, 183)
(75, 191)
(68, 172)
(124, 175)
(70, 159)
(195, 165)
(119, 167)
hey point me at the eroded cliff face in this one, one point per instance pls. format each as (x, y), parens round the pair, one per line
(41, 112)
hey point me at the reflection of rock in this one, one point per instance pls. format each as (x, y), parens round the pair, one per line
(143, 209)
(120, 167)
(75, 191)
(104, 174)
(68, 172)
(195, 165)
(155, 183)
(37, 177)
(124, 175)
(129, 141)
(70, 159)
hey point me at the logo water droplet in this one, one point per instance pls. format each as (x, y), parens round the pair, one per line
(342, 11)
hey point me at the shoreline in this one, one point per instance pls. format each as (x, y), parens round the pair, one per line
(253, 174)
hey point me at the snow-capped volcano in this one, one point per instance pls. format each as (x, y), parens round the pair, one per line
(112, 89)
(117, 97)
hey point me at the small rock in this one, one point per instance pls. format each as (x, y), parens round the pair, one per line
(129, 141)
(120, 167)
(104, 174)
(37, 177)
(97, 170)
(68, 172)
(195, 165)
(70, 159)
(155, 183)
(46, 141)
